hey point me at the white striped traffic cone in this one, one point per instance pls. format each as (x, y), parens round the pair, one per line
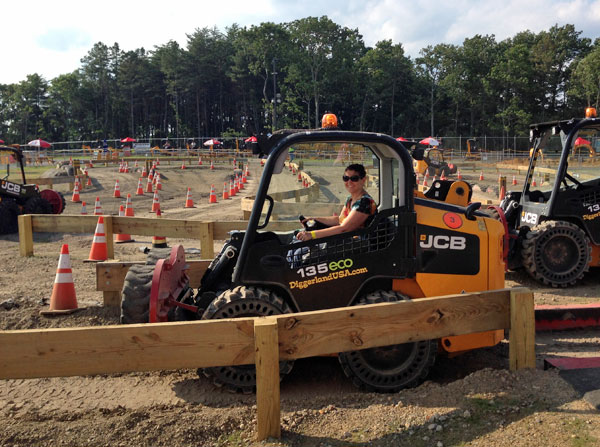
(63, 298)
(97, 207)
(99, 251)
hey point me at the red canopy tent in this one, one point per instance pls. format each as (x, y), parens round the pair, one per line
(128, 140)
(251, 139)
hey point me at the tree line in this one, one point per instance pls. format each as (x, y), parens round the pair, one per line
(228, 83)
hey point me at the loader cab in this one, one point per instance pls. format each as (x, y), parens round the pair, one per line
(564, 184)
(11, 162)
(311, 270)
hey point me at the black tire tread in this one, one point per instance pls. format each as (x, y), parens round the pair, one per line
(355, 367)
(9, 212)
(135, 295)
(237, 302)
(37, 205)
(530, 254)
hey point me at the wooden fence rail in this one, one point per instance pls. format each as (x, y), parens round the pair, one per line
(264, 341)
(205, 232)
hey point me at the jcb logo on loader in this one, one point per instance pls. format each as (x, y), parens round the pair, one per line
(11, 187)
(530, 218)
(443, 242)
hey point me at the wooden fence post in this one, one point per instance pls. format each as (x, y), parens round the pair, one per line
(266, 344)
(108, 230)
(25, 235)
(522, 329)
(206, 240)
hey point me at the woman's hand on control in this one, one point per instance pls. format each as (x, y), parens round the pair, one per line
(303, 236)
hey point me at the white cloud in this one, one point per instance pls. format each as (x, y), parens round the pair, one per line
(50, 38)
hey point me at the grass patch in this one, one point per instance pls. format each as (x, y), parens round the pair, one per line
(581, 434)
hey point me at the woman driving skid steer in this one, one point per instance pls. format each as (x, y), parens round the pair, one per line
(359, 210)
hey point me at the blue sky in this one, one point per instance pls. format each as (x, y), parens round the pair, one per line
(51, 37)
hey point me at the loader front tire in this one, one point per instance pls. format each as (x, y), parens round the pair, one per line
(388, 369)
(240, 302)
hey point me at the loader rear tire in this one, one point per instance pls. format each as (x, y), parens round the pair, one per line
(557, 253)
(388, 369)
(239, 302)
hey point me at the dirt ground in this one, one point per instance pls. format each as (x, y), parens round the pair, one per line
(470, 400)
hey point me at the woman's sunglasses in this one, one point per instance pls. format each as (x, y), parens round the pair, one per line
(354, 178)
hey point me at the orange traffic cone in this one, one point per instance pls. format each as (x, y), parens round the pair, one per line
(136, 164)
(63, 299)
(155, 202)
(128, 206)
(212, 167)
(75, 198)
(159, 241)
(299, 175)
(183, 165)
(189, 202)
(117, 191)
(225, 191)
(144, 173)
(158, 183)
(157, 162)
(533, 182)
(149, 184)
(121, 238)
(481, 176)
(140, 189)
(231, 189)
(97, 207)
(99, 249)
(126, 167)
(213, 197)
(199, 161)
(236, 185)
(83, 209)
(459, 175)
(262, 162)
(514, 182)
(89, 181)
(247, 174)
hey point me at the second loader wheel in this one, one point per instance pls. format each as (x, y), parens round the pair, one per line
(239, 302)
(37, 205)
(557, 253)
(388, 369)
(9, 212)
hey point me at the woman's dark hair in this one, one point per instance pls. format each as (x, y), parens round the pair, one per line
(356, 167)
